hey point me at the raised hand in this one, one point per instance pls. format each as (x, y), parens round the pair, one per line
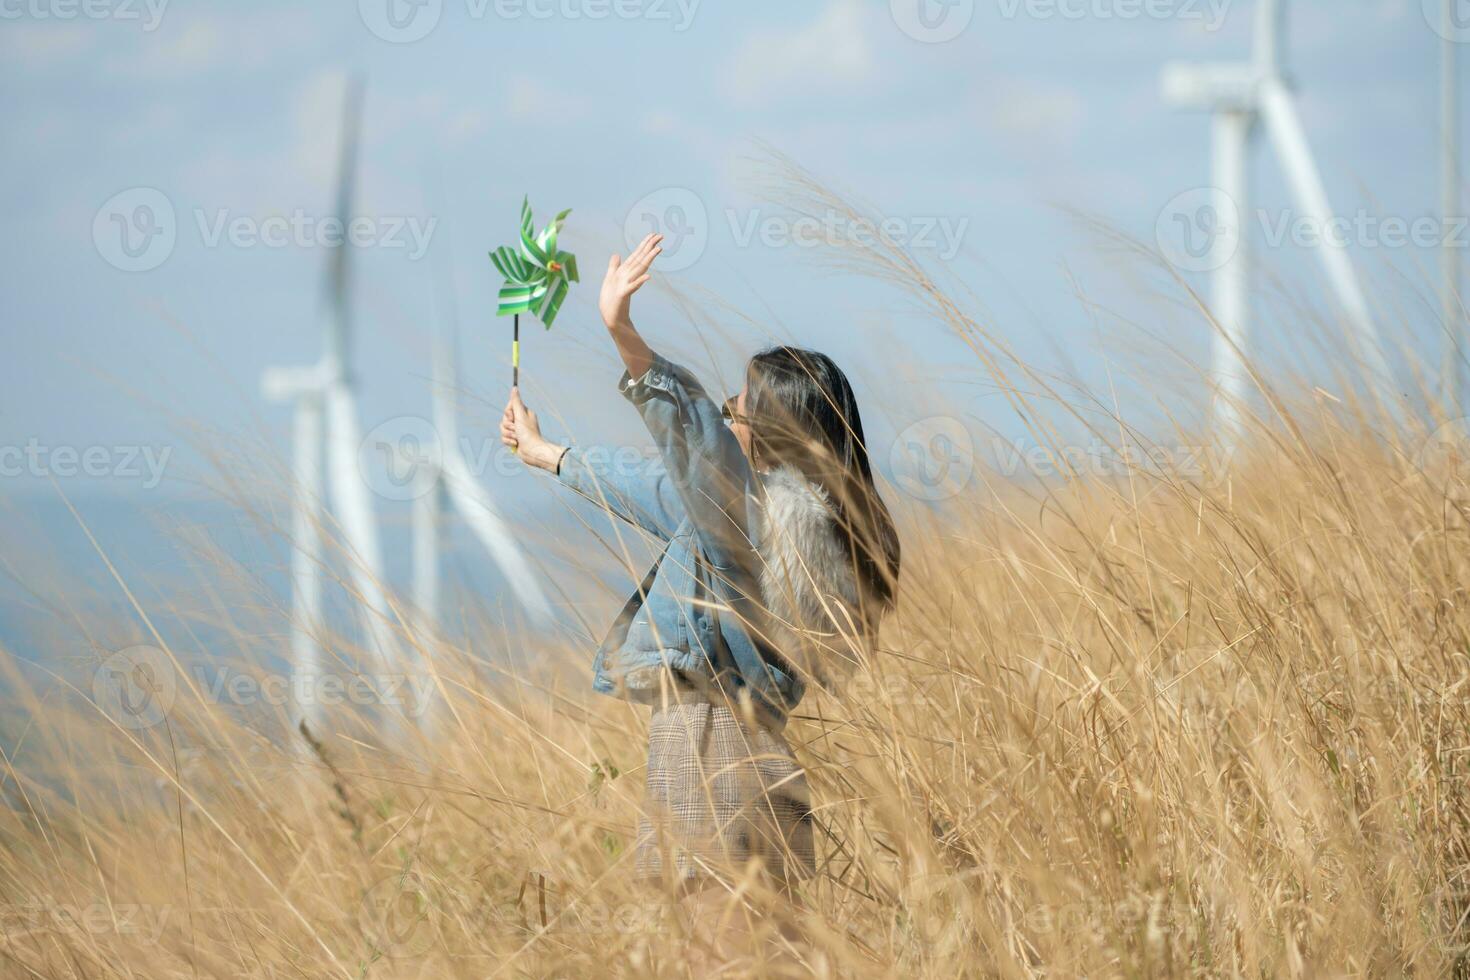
(624, 278)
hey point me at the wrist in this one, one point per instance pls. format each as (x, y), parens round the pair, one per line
(547, 456)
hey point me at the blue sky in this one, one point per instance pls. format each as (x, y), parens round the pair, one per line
(979, 146)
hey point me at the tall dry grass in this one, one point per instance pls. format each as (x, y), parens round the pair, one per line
(1154, 723)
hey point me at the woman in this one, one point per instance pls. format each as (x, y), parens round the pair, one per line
(779, 558)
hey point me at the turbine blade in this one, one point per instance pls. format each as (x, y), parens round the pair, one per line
(446, 343)
(1310, 193)
(339, 267)
(306, 558)
(474, 505)
(354, 511)
(1270, 36)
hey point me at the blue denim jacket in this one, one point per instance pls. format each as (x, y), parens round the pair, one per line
(696, 608)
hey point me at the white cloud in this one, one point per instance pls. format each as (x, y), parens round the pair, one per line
(1039, 114)
(832, 52)
(211, 41)
(659, 123)
(296, 168)
(431, 116)
(466, 123)
(42, 45)
(529, 99)
(1324, 27)
(176, 53)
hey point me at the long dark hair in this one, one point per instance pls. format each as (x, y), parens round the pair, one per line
(802, 413)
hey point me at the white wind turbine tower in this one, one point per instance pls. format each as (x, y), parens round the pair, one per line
(326, 427)
(1449, 135)
(1239, 94)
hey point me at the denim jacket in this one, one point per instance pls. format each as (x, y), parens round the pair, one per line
(696, 609)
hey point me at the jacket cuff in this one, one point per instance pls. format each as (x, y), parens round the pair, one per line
(572, 469)
(660, 376)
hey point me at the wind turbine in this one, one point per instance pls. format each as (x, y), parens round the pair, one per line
(326, 429)
(1449, 134)
(1239, 94)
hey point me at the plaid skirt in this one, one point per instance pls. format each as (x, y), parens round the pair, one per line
(720, 792)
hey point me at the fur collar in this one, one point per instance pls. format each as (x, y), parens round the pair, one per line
(806, 576)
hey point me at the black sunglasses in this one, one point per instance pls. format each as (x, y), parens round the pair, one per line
(727, 410)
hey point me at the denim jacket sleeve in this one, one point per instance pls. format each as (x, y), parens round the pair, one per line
(628, 485)
(702, 459)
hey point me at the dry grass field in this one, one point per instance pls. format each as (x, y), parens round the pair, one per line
(1140, 723)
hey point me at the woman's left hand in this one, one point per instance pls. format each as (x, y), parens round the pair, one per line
(624, 278)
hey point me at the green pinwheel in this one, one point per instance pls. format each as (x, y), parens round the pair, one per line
(538, 275)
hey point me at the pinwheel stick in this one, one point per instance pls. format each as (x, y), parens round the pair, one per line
(515, 362)
(537, 278)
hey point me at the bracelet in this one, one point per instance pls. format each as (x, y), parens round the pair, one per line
(556, 470)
